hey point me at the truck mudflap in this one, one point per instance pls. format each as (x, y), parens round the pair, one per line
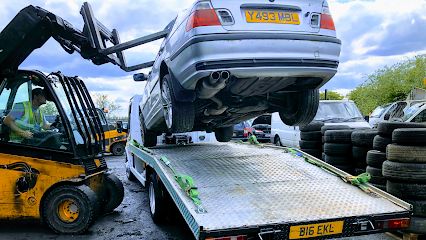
(270, 193)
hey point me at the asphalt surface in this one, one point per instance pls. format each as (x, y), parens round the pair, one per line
(131, 220)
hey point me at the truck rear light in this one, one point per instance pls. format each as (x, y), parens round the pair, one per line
(240, 237)
(203, 15)
(394, 223)
(326, 19)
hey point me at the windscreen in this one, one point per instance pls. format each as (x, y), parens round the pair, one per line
(338, 112)
(378, 112)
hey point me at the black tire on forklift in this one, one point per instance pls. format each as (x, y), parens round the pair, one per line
(117, 149)
(157, 199)
(130, 176)
(149, 138)
(224, 134)
(114, 193)
(70, 209)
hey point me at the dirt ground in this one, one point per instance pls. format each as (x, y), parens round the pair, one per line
(131, 220)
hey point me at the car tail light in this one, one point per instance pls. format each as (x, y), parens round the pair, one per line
(203, 15)
(326, 19)
(240, 237)
(394, 223)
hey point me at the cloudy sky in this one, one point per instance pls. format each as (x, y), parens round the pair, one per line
(374, 33)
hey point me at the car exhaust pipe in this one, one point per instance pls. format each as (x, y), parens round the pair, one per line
(213, 85)
(215, 111)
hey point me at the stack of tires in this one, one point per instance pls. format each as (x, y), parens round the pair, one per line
(362, 142)
(330, 127)
(405, 171)
(310, 136)
(338, 149)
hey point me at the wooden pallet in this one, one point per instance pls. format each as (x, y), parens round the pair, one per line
(406, 236)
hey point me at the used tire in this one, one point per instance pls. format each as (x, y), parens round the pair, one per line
(338, 149)
(345, 168)
(149, 138)
(417, 225)
(313, 152)
(114, 193)
(179, 116)
(338, 136)
(70, 209)
(386, 129)
(301, 107)
(359, 154)
(117, 149)
(224, 134)
(409, 136)
(407, 172)
(376, 175)
(412, 191)
(375, 158)
(333, 127)
(406, 154)
(313, 126)
(380, 143)
(339, 160)
(311, 136)
(157, 199)
(310, 144)
(419, 207)
(363, 138)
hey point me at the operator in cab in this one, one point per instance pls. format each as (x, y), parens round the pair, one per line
(25, 118)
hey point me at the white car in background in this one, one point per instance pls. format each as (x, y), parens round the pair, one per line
(331, 112)
(224, 62)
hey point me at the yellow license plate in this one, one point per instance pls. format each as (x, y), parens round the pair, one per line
(280, 17)
(316, 230)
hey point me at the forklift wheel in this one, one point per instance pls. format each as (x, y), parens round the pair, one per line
(118, 149)
(114, 193)
(70, 209)
(157, 199)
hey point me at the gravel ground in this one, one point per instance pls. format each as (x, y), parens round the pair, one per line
(131, 220)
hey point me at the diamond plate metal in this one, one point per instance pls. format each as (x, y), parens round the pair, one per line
(243, 185)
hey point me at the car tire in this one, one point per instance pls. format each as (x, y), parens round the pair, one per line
(114, 193)
(301, 109)
(339, 160)
(380, 143)
(363, 138)
(376, 175)
(117, 149)
(311, 136)
(338, 149)
(414, 191)
(157, 199)
(406, 154)
(277, 141)
(409, 136)
(407, 172)
(304, 144)
(313, 126)
(333, 127)
(224, 134)
(419, 208)
(375, 158)
(338, 136)
(359, 154)
(70, 209)
(417, 225)
(149, 138)
(179, 116)
(386, 129)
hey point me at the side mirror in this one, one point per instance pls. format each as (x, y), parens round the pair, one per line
(120, 127)
(140, 77)
(367, 118)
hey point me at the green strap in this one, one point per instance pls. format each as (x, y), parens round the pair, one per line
(359, 181)
(253, 140)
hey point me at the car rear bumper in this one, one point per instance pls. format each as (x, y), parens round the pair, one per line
(256, 54)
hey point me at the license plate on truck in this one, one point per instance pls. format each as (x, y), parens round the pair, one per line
(280, 17)
(316, 230)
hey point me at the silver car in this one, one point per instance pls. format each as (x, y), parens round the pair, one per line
(224, 62)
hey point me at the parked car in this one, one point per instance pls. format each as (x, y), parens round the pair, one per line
(391, 111)
(224, 62)
(415, 113)
(262, 128)
(331, 112)
(242, 130)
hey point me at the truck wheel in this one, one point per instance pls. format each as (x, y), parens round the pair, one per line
(70, 209)
(301, 107)
(179, 116)
(224, 134)
(149, 138)
(157, 199)
(114, 193)
(277, 141)
(117, 149)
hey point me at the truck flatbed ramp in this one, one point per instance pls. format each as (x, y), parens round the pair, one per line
(268, 191)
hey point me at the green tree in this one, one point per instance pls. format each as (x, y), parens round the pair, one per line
(49, 108)
(390, 84)
(102, 101)
(331, 95)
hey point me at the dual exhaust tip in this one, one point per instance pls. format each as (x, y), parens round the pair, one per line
(223, 75)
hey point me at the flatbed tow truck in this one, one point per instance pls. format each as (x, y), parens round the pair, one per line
(244, 191)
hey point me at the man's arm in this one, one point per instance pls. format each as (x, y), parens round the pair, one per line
(10, 122)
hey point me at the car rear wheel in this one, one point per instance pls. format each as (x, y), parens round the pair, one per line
(179, 116)
(300, 108)
(224, 134)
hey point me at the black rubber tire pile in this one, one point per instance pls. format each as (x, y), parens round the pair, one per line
(338, 149)
(405, 169)
(310, 136)
(362, 142)
(330, 127)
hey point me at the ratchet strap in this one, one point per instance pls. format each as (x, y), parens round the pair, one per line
(253, 140)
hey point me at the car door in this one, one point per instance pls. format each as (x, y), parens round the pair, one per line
(420, 118)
